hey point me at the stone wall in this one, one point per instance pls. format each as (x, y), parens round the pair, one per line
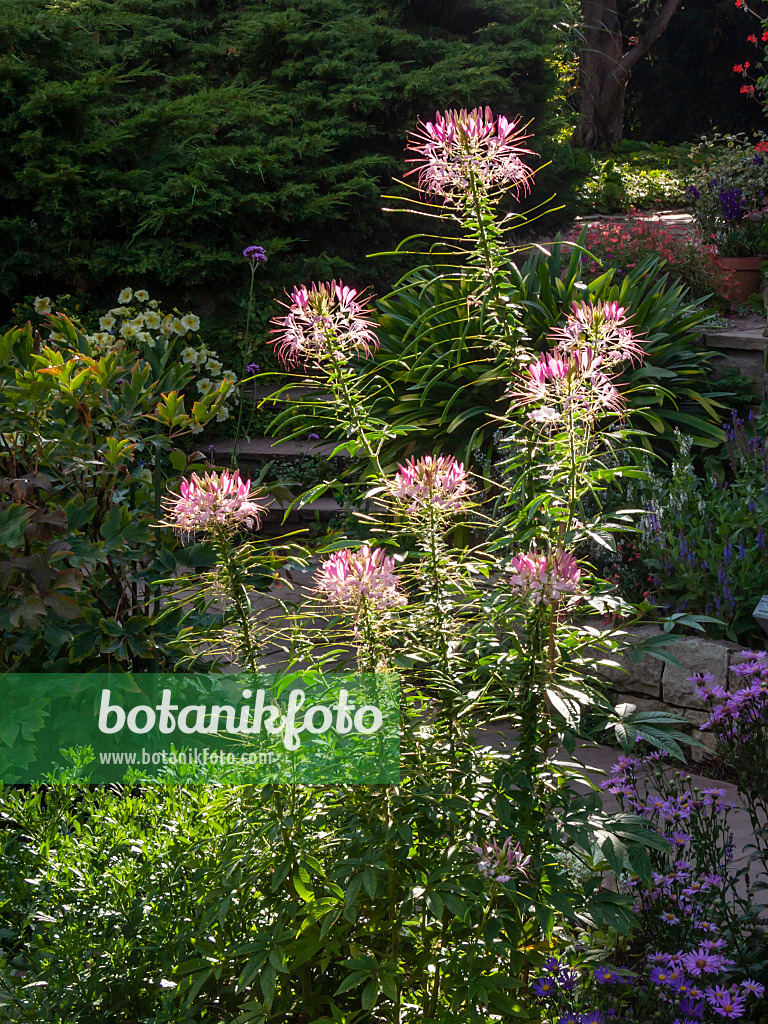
(655, 685)
(740, 349)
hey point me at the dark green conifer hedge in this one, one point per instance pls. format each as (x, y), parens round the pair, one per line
(146, 142)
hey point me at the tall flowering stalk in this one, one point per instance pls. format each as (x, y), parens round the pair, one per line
(364, 585)
(219, 506)
(428, 495)
(255, 255)
(326, 326)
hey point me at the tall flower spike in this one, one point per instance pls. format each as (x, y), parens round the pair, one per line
(324, 321)
(350, 578)
(215, 500)
(601, 327)
(440, 482)
(460, 146)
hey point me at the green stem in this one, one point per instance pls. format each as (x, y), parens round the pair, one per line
(238, 595)
(246, 353)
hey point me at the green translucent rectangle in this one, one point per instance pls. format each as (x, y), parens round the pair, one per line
(303, 727)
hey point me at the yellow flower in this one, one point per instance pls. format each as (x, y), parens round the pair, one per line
(191, 322)
(204, 385)
(42, 304)
(125, 296)
(188, 355)
(141, 295)
(152, 319)
(106, 322)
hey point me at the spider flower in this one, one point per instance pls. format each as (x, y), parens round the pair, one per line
(575, 383)
(353, 578)
(600, 327)
(324, 321)
(499, 862)
(543, 579)
(460, 147)
(439, 482)
(215, 500)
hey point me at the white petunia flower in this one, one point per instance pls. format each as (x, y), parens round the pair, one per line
(138, 321)
(120, 311)
(197, 429)
(141, 295)
(191, 322)
(188, 355)
(204, 385)
(125, 296)
(214, 366)
(152, 319)
(107, 322)
(222, 414)
(153, 303)
(229, 377)
(177, 326)
(128, 331)
(42, 304)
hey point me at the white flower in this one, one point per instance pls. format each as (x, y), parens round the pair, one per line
(128, 331)
(152, 319)
(125, 296)
(204, 385)
(177, 326)
(54, 336)
(141, 295)
(213, 365)
(138, 321)
(120, 311)
(146, 339)
(222, 414)
(188, 355)
(199, 360)
(42, 304)
(229, 377)
(153, 303)
(191, 322)
(106, 322)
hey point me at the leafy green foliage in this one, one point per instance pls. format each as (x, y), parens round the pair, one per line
(81, 472)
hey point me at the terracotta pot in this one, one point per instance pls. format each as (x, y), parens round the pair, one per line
(746, 274)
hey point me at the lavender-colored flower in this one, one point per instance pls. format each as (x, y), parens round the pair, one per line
(324, 322)
(702, 961)
(544, 579)
(501, 862)
(437, 482)
(569, 1018)
(692, 1007)
(694, 192)
(215, 501)
(353, 579)
(600, 327)
(463, 148)
(255, 253)
(724, 1002)
(568, 980)
(252, 368)
(593, 1017)
(313, 437)
(753, 987)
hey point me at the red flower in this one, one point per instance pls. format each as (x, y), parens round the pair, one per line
(765, 37)
(762, 146)
(752, 39)
(741, 3)
(748, 89)
(741, 69)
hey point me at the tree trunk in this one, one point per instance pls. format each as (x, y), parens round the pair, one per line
(604, 70)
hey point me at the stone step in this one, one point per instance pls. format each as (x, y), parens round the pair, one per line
(258, 393)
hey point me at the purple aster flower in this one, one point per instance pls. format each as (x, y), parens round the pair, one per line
(551, 965)
(255, 253)
(569, 1018)
(568, 980)
(544, 986)
(605, 975)
(593, 1017)
(752, 987)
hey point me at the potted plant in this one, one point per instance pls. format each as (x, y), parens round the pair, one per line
(729, 197)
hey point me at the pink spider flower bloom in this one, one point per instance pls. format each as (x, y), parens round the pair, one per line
(214, 500)
(576, 382)
(601, 327)
(324, 320)
(439, 482)
(545, 579)
(352, 578)
(459, 147)
(500, 862)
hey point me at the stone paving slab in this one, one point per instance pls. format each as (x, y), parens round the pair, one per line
(262, 448)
